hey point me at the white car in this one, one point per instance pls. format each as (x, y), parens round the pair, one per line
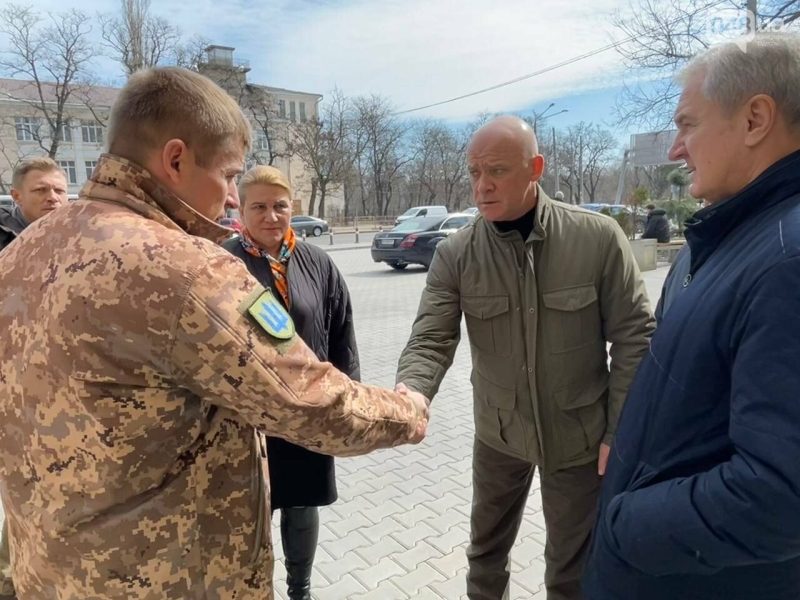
(422, 211)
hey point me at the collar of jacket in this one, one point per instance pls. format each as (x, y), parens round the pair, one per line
(541, 219)
(12, 220)
(708, 227)
(145, 196)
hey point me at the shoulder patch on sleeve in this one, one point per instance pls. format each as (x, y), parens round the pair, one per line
(273, 318)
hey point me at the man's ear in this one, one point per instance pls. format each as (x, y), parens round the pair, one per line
(761, 113)
(174, 159)
(537, 167)
(15, 195)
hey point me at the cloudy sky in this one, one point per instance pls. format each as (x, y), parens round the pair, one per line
(417, 52)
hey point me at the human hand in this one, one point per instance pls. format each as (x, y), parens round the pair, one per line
(422, 405)
(602, 461)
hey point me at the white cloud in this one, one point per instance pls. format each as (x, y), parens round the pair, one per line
(422, 51)
(414, 51)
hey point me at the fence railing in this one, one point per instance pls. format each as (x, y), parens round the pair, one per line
(364, 223)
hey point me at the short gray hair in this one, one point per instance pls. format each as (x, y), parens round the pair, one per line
(738, 70)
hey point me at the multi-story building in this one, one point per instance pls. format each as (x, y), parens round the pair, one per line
(25, 130)
(271, 110)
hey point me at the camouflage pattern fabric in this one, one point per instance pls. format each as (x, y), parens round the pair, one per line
(134, 399)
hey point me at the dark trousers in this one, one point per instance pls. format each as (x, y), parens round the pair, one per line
(501, 484)
(299, 535)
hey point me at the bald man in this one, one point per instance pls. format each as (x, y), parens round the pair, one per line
(545, 286)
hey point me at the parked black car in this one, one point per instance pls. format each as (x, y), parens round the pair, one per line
(414, 241)
(311, 225)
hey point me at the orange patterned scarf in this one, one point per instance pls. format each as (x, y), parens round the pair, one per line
(279, 265)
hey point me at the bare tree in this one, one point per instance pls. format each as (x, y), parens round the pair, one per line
(272, 136)
(422, 172)
(322, 144)
(663, 35)
(190, 53)
(598, 157)
(591, 147)
(380, 136)
(55, 60)
(137, 39)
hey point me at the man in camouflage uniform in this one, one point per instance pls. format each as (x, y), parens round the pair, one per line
(38, 187)
(143, 366)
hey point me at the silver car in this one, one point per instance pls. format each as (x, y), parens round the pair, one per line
(309, 225)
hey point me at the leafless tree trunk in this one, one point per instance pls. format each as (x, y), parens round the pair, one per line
(599, 144)
(323, 145)
(273, 134)
(137, 39)
(55, 60)
(383, 153)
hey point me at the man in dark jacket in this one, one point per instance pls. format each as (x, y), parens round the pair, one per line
(657, 225)
(38, 188)
(700, 500)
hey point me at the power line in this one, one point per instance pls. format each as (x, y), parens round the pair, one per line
(552, 67)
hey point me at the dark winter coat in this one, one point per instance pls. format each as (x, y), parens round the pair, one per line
(322, 313)
(11, 225)
(700, 500)
(657, 226)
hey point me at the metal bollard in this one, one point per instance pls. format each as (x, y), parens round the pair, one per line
(331, 234)
(304, 235)
(356, 233)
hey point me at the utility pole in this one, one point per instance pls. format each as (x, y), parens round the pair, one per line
(555, 162)
(580, 169)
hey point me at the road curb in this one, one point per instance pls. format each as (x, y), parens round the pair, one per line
(336, 248)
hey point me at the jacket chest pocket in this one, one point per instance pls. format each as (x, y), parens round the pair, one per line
(488, 323)
(572, 318)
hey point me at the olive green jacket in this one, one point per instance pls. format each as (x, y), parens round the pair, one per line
(539, 316)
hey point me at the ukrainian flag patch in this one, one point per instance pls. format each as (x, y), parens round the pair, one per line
(272, 316)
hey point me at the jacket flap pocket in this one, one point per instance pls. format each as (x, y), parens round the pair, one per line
(582, 394)
(570, 299)
(484, 307)
(493, 394)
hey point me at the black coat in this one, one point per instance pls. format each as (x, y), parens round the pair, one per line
(657, 226)
(11, 225)
(322, 313)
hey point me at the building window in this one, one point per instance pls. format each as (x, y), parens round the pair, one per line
(66, 132)
(282, 108)
(292, 111)
(260, 140)
(92, 132)
(27, 128)
(303, 111)
(69, 168)
(90, 167)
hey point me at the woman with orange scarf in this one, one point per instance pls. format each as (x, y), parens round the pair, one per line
(304, 279)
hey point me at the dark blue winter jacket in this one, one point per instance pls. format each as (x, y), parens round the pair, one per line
(701, 500)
